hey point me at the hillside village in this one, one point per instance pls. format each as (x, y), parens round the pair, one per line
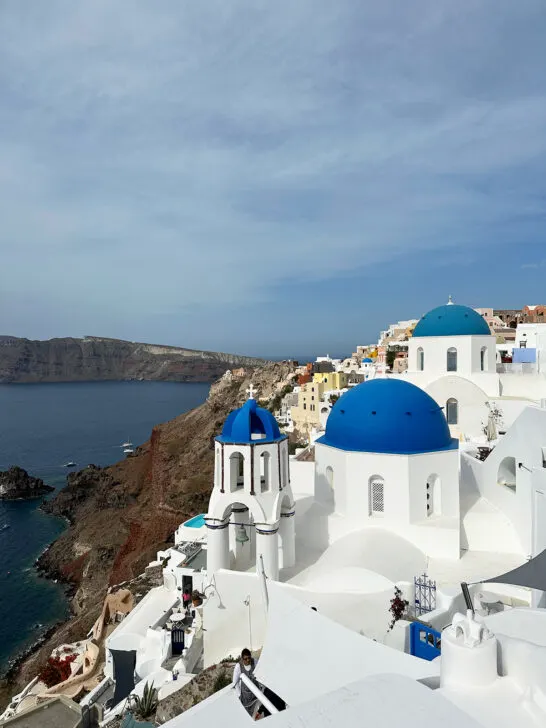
(375, 535)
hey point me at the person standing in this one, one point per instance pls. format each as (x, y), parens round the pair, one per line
(245, 666)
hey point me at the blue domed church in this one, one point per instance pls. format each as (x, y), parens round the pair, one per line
(452, 355)
(250, 519)
(388, 459)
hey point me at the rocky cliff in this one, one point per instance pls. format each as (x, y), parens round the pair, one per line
(120, 516)
(97, 359)
(17, 484)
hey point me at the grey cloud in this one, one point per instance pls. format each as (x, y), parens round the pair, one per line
(179, 153)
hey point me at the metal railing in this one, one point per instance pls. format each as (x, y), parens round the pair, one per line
(259, 694)
(517, 368)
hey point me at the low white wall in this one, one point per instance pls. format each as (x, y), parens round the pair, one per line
(532, 386)
(229, 629)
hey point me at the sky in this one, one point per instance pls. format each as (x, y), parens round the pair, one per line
(271, 178)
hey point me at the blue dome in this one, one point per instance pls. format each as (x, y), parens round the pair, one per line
(387, 416)
(452, 320)
(367, 360)
(249, 420)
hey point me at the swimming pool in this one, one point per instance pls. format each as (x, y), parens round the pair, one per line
(196, 521)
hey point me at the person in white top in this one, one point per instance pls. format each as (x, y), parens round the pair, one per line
(247, 666)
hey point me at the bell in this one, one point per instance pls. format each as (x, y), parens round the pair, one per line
(241, 535)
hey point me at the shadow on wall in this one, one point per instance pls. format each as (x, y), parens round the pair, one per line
(314, 530)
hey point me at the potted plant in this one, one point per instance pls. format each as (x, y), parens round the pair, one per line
(143, 708)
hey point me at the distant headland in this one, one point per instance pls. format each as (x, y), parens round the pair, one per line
(95, 358)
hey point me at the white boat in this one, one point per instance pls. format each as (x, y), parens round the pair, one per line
(69, 464)
(126, 444)
(128, 450)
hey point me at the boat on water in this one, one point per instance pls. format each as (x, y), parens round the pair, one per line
(5, 527)
(69, 464)
(126, 444)
(128, 450)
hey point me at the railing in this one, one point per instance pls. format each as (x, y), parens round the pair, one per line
(517, 368)
(258, 693)
(425, 594)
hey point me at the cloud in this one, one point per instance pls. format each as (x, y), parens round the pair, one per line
(160, 156)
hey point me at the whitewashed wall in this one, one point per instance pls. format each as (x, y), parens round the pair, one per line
(405, 479)
(523, 441)
(468, 354)
(229, 629)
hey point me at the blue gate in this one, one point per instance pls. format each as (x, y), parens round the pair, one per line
(177, 640)
(425, 642)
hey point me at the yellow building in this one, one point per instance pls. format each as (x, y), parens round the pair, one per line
(331, 380)
(306, 415)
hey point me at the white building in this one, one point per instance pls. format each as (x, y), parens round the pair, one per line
(491, 674)
(388, 497)
(452, 355)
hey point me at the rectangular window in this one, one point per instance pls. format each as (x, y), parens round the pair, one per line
(377, 502)
(304, 406)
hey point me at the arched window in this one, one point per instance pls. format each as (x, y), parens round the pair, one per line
(452, 411)
(433, 496)
(218, 476)
(330, 476)
(265, 471)
(420, 359)
(376, 495)
(483, 358)
(507, 473)
(236, 471)
(452, 359)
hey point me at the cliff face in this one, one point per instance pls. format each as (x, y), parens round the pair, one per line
(120, 516)
(98, 359)
(17, 484)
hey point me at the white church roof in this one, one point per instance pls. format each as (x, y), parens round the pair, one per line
(333, 655)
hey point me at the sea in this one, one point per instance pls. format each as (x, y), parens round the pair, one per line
(42, 427)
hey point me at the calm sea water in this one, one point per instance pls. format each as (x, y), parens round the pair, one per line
(43, 426)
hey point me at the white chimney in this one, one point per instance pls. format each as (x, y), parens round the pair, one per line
(469, 654)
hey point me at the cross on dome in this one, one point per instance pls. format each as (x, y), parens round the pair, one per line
(251, 391)
(450, 301)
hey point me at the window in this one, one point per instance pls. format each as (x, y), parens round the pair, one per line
(420, 359)
(304, 406)
(506, 475)
(452, 411)
(265, 471)
(483, 358)
(236, 471)
(376, 496)
(452, 359)
(433, 495)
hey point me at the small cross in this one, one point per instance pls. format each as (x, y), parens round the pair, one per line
(251, 391)
(450, 301)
